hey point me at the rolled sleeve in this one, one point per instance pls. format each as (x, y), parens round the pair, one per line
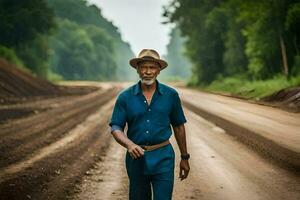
(116, 127)
(177, 116)
(119, 113)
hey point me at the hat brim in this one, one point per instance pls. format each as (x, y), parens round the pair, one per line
(134, 62)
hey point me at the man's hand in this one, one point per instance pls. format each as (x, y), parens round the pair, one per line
(135, 151)
(184, 169)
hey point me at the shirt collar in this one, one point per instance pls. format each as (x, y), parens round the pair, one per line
(137, 88)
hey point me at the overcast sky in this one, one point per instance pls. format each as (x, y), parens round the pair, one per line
(139, 22)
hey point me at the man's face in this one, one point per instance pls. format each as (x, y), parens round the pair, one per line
(148, 71)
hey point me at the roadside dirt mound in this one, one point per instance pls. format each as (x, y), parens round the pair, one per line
(17, 85)
(288, 98)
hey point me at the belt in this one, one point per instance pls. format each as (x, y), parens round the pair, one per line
(155, 146)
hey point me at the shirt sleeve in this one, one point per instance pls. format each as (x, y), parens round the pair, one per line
(118, 117)
(116, 127)
(177, 116)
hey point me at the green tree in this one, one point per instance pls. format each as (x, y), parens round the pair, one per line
(204, 44)
(86, 15)
(234, 57)
(292, 24)
(24, 26)
(82, 13)
(231, 37)
(35, 55)
(179, 65)
(82, 53)
(22, 21)
(72, 51)
(103, 61)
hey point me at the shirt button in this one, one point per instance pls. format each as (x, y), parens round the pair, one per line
(148, 120)
(149, 110)
(145, 101)
(147, 131)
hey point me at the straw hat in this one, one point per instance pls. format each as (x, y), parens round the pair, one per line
(148, 55)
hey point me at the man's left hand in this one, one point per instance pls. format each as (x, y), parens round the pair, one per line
(184, 169)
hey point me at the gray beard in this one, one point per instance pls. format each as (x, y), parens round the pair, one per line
(148, 82)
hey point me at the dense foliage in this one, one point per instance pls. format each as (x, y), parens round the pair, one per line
(179, 65)
(22, 21)
(69, 38)
(253, 39)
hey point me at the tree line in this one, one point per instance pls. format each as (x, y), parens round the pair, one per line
(179, 65)
(250, 39)
(67, 39)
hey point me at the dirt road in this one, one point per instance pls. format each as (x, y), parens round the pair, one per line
(272, 132)
(221, 168)
(62, 149)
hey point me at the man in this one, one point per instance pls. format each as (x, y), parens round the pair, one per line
(149, 108)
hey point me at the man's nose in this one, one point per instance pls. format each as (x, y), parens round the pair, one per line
(148, 71)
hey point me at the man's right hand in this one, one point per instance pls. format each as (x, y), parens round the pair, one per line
(135, 151)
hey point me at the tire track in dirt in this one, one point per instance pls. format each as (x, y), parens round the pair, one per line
(271, 132)
(74, 135)
(14, 127)
(107, 179)
(64, 118)
(58, 166)
(84, 155)
(224, 168)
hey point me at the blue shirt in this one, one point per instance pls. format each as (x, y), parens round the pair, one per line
(149, 124)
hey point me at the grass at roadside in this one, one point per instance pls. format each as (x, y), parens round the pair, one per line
(251, 89)
(53, 77)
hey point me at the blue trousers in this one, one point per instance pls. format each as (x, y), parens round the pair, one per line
(142, 186)
(151, 175)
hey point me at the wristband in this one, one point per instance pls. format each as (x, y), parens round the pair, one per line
(185, 156)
